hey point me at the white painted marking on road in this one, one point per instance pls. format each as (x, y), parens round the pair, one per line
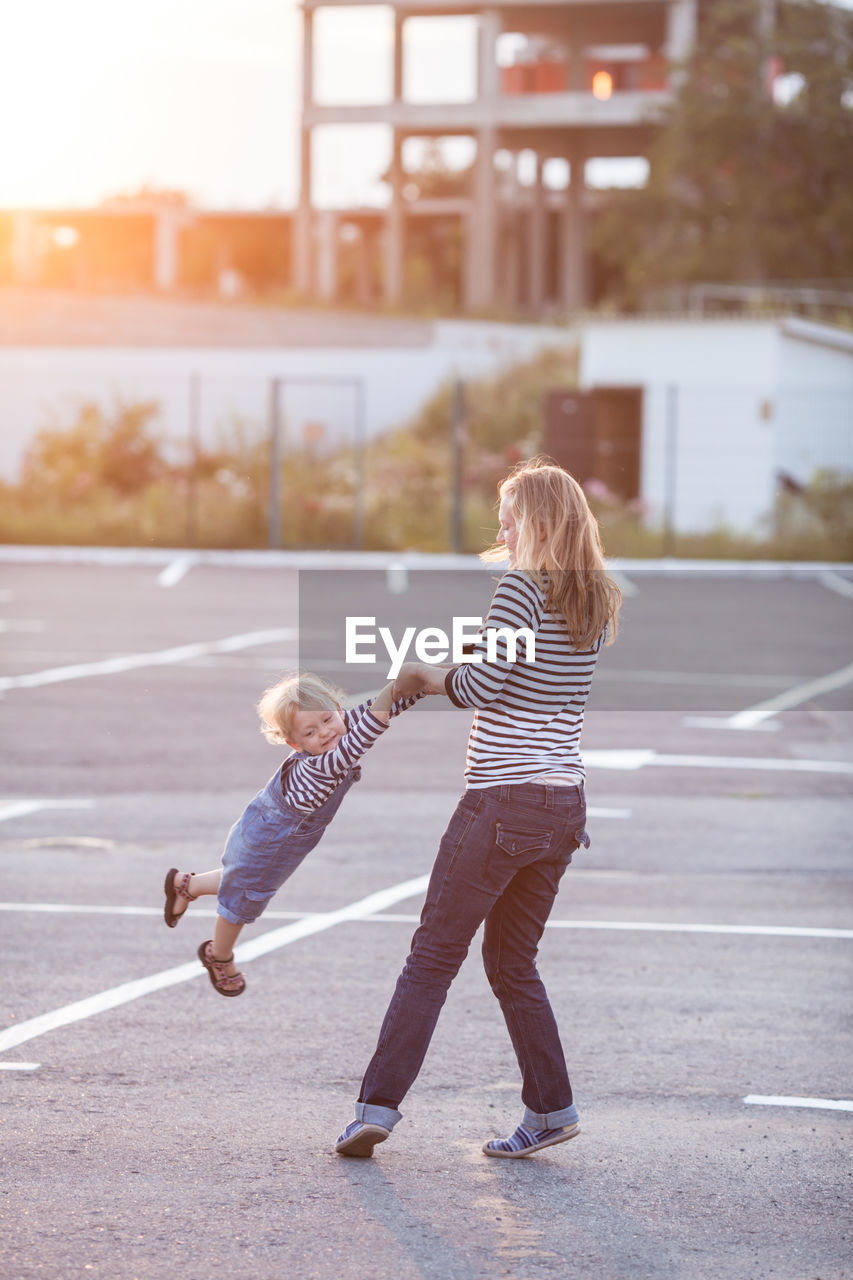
(176, 570)
(261, 946)
(594, 812)
(19, 1066)
(20, 808)
(21, 624)
(381, 916)
(834, 582)
(748, 930)
(754, 717)
(157, 658)
(628, 588)
(823, 1104)
(629, 759)
(710, 722)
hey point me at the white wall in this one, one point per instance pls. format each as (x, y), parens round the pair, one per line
(43, 384)
(749, 401)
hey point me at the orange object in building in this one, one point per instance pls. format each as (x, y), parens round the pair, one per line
(602, 85)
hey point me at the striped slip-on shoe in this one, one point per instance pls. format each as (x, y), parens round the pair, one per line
(359, 1139)
(525, 1142)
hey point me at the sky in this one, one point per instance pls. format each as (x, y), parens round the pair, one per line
(103, 97)
(99, 97)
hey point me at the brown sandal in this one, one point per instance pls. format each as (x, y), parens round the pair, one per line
(170, 915)
(227, 984)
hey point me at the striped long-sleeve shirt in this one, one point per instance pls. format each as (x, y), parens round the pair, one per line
(307, 780)
(529, 713)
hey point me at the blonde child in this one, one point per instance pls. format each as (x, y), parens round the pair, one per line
(288, 817)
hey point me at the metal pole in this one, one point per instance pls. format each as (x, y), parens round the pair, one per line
(193, 443)
(457, 419)
(274, 537)
(360, 446)
(670, 469)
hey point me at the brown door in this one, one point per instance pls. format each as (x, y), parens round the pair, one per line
(570, 432)
(618, 415)
(596, 436)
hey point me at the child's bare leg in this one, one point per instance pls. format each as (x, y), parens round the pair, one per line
(225, 935)
(198, 885)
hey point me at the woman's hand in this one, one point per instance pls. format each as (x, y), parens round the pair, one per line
(419, 677)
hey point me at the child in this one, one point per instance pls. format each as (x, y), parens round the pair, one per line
(287, 819)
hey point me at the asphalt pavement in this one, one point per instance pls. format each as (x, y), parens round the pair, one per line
(699, 958)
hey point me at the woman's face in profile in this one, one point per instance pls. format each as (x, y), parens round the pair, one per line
(508, 532)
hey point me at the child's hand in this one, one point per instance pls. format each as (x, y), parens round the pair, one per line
(418, 677)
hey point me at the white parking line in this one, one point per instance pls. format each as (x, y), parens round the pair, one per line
(19, 1066)
(757, 717)
(385, 917)
(176, 570)
(20, 808)
(835, 582)
(157, 658)
(823, 1104)
(271, 941)
(631, 758)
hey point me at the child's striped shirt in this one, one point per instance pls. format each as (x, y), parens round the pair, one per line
(529, 713)
(308, 780)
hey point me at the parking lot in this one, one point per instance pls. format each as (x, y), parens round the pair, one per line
(698, 959)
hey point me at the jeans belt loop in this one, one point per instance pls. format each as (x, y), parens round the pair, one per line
(549, 797)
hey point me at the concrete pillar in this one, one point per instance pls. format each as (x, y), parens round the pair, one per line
(680, 29)
(536, 243)
(364, 251)
(394, 230)
(488, 72)
(302, 253)
(327, 256)
(166, 231)
(576, 60)
(482, 226)
(399, 19)
(24, 263)
(481, 230)
(573, 264)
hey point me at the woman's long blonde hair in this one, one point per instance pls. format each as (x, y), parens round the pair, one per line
(559, 546)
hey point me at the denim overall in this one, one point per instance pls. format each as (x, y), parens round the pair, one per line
(268, 842)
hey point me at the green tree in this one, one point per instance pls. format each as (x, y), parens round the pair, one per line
(745, 186)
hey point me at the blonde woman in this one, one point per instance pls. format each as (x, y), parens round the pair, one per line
(287, 818)
(522, 814)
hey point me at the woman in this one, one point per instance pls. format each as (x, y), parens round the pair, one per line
(522, 814)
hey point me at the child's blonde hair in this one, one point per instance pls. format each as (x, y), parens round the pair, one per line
(300, 692)
(558, 537)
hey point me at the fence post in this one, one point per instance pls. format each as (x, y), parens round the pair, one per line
(360, 442)
(670, 469)
(193, 450)
(274, 533)
(457, 419)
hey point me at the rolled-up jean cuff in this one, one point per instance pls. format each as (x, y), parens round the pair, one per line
(548, 1120)
(369, 1113)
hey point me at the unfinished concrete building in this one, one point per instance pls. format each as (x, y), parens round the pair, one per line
(585, 81)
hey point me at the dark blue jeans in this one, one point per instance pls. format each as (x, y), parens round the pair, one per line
(500, 861)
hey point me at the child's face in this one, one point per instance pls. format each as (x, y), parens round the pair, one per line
(316, 729)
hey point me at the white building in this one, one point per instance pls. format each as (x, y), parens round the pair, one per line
(699, 418)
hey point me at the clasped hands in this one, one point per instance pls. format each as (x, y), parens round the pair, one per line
(419, 677)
